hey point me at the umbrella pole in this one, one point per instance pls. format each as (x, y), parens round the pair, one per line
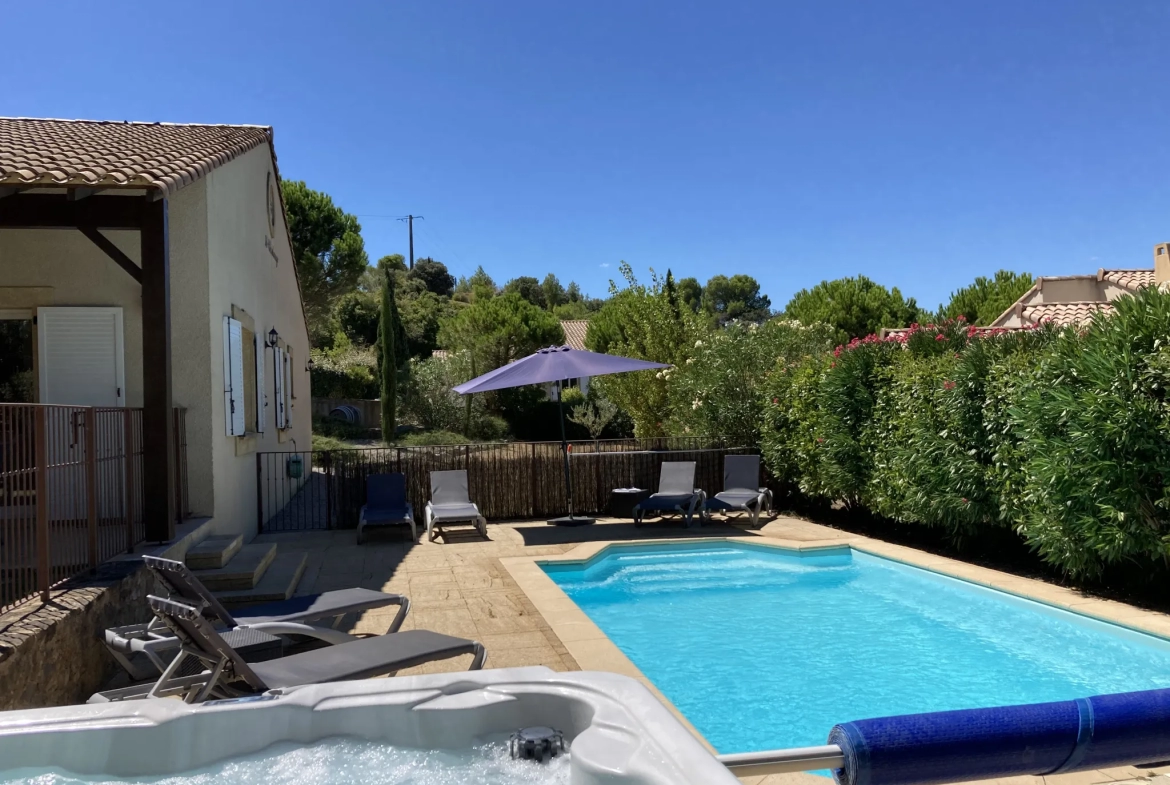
(565, 446)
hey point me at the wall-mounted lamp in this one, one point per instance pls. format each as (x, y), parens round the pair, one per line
(273, 337)
(309, 365)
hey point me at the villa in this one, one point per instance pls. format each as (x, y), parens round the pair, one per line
(147, 267)
(157, 350)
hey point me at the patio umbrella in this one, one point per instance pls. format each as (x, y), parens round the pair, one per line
(555, 364)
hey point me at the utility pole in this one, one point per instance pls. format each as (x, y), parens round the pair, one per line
(410, 225)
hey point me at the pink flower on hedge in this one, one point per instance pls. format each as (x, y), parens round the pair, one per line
(940, 337)
(820, 440)
(960, 318)
(965, 501)
(948, 385)
(775, 401)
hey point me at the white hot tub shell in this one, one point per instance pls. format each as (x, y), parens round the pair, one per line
(617, 731)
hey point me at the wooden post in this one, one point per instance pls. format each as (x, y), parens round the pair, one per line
(532, 480)
(91, 483)
(158, 454)
(128, 466)
(42, 497)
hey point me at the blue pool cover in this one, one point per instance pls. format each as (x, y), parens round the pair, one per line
(973, 744)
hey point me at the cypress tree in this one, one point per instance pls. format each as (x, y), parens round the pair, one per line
(390, 331)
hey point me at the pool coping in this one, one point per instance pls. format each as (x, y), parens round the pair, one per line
(593, 650)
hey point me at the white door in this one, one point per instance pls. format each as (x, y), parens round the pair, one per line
(80, 354)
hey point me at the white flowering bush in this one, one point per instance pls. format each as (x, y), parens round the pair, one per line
(719, 390)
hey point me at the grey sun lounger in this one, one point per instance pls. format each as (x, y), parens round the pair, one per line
(676, 493)
(741, 488)
(386, 504)
(294, 616)
(451, 504)
(227, 675)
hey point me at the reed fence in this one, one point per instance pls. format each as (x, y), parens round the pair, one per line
(71, 493)
(326, 489)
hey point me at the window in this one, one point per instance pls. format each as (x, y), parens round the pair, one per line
(16, 358)
(248, 341)
(282, 386)
(243, 378)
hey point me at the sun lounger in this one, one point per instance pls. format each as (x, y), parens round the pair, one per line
(741, 488)
(284, 618)
(227, 675)
(386, 504)
(451, 504)
(676, 493)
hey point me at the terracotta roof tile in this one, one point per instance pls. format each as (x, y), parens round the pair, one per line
(90, 153)
(1063, 314)
(575, 330)
(1130, 279)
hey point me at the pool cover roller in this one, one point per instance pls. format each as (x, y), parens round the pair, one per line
(974, 744)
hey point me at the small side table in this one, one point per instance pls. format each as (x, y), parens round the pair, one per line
(623, 500)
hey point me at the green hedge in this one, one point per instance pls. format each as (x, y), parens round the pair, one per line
(1061, 435)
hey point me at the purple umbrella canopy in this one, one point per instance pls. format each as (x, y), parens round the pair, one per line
(553, 365)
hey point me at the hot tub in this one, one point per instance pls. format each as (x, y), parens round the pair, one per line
(616, 731)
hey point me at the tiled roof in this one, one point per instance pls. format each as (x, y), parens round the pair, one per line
(575, 330)
(1062, 314)
(94, 153)
(1130, 279)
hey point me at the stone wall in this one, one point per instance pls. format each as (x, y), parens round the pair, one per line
(52, 654)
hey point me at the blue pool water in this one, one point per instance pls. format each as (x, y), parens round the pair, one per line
(762, 648)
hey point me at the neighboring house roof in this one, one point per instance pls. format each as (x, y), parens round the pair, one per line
(1063, 314)
(1130, 279)
(1072, 299)
(575, 330)
(92, 153)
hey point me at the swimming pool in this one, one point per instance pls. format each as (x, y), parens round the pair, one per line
(762, 648)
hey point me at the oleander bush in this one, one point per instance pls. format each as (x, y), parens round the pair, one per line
(1094, 428)
(1062, 435)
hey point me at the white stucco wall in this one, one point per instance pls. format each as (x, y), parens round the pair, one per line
(243, 273)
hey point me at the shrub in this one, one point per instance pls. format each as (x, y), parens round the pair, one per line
(848, 392)
(1094, 423)
(428, 398)
(430, 438)
(489, 428)
(791, 422)
(719, 390)
(345, 371)
(645, 322)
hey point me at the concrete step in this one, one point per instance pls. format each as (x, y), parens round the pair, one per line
(214, 552)
(278, 583)
(243, 571)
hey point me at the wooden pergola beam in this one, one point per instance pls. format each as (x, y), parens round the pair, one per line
(112, 251)
(58, 211)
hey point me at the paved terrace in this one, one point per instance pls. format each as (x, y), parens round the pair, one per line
(468, 586)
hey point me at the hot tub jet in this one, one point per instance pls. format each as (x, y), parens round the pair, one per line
(537, 743)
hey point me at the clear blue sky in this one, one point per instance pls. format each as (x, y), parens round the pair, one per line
(921, 143)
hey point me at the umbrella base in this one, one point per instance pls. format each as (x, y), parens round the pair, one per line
(571, 520)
